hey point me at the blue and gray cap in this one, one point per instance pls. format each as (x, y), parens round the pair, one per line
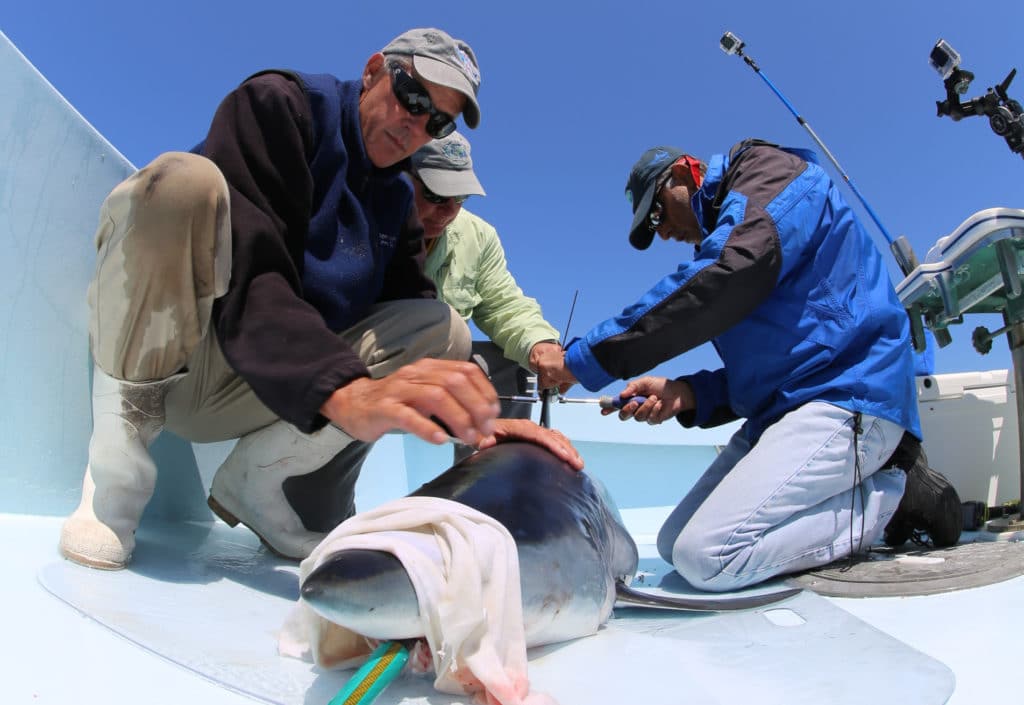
(444, 60)
(446, 168)
(640, 190)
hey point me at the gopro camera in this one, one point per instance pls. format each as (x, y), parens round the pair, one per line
(1005, 115)
(944, 59)
(731, 44)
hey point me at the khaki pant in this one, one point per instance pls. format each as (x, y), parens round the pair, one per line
(164, 255)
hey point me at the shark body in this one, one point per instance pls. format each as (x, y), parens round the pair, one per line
(576, 559)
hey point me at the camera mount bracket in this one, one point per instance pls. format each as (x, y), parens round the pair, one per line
(1005, 116)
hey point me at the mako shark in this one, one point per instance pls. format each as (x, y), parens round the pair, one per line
(575, 557)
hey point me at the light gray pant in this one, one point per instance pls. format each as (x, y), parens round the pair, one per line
(786, 503)
(163, 256)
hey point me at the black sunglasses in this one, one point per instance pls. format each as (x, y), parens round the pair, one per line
(432, 197)
(415, 99)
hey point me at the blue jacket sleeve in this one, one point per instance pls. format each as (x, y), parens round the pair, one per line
(711, 393)
(735, 270)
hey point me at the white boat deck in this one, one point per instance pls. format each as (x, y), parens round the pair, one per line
(57, 654)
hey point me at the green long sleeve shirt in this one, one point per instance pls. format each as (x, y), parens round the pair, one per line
(469, 269)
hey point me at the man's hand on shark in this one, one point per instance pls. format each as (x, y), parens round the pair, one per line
(526, 430)
(456, 393)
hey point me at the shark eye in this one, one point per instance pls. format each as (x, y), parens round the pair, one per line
(587, 528)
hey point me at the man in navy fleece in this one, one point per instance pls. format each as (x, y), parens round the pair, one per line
(270, 287)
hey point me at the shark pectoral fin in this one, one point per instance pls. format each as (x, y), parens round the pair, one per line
(628, 597)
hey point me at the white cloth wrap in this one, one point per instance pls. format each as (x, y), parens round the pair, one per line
(465, 569)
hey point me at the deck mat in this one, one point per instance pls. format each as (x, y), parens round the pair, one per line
(211, 599)
(915, 570)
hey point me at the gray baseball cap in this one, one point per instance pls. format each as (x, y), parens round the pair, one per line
(443, 60)
(446, 168)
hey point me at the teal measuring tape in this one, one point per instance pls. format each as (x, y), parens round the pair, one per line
(383, 665)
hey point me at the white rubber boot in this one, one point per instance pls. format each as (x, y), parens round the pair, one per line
(249, 487)
(120, 476)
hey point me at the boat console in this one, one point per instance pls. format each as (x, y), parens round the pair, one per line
(975, 269)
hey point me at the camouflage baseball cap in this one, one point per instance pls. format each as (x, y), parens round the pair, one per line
(441, 59)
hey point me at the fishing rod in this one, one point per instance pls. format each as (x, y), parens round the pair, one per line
(901, 248)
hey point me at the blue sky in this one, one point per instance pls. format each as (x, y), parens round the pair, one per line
(573, 92)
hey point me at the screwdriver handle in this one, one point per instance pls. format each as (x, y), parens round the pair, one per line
(618, 402)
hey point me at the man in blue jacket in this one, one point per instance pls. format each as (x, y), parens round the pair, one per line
(816, 355)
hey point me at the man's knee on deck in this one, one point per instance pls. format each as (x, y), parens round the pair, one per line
(709, 567)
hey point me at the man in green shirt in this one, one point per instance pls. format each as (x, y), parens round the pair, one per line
(466, 261)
